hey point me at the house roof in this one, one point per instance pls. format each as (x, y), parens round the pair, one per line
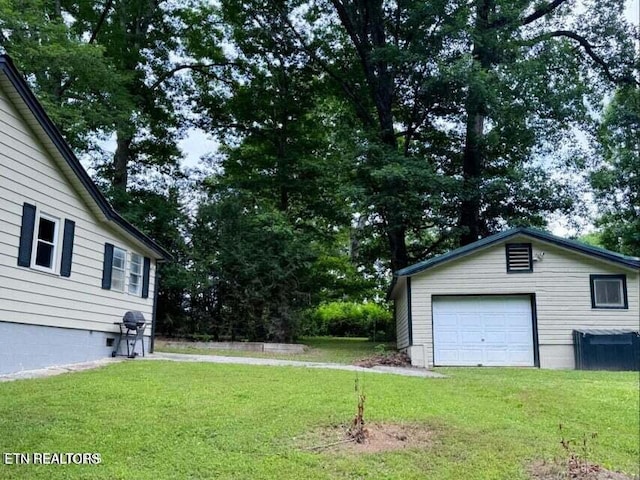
(596, 252)
(74, 169)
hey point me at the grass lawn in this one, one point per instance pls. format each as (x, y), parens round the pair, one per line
(165, 420)
(321, 349)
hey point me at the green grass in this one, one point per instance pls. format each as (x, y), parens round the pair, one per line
(321, 349)
(165, 420)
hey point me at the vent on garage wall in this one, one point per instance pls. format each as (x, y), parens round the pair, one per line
(519, 258)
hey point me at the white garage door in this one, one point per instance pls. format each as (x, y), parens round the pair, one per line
(484, 330)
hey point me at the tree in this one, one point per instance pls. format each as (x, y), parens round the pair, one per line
(105, 70)
(454, 102)
(77, 84)
(277, 181)
(515, 47)
(258, 266)
(616, 182)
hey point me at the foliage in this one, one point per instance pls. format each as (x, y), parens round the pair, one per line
(351, 319)
(258, 267)
(616, 181)
(104, 70)
(592, 238)
(354, 137)
(232, 421)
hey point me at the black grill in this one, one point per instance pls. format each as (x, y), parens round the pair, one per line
(132, 332)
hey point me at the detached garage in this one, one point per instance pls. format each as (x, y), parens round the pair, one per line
(513, 299)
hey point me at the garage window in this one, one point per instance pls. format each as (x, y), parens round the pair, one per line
(609, 291)
(519, 258)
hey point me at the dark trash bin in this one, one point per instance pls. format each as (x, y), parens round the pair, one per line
(607, 349)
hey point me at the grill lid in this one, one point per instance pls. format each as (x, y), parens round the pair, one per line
(133, 319)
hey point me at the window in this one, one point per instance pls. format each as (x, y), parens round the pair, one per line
(609, 291)
(131, 277)
(118, 269)
(519, 258)
(135, 274)
(46, 242)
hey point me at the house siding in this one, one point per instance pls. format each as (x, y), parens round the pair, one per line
(28, 296)
(561, 285)
(402, 330)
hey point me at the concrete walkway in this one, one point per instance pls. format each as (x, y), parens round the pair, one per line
(184, 357)
(58, 370)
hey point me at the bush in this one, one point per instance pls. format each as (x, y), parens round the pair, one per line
(350, 319)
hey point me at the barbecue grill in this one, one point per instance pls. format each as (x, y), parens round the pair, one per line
(132, 332)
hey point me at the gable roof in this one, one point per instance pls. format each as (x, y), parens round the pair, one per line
(74, 169)
(573, 245)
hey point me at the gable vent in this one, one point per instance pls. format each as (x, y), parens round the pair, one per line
(519, 258)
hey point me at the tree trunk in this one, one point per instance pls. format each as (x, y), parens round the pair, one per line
(476, 109)
(121, 160)
(365, 24)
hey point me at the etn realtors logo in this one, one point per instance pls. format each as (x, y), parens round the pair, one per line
(48, 458)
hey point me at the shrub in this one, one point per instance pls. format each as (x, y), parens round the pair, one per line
(350, 319)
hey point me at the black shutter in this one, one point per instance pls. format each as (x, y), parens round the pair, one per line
(145, 277)
(107, 265)
(26, 234)
(67, 247)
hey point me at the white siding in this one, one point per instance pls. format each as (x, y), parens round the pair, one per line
(560, 283)
(402, 330)
(29, 174)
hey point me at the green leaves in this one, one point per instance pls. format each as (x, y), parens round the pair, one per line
(616, 181)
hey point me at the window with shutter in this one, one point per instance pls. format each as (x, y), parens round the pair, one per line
(519, 258)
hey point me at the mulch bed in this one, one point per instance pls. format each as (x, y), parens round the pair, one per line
(379, 437)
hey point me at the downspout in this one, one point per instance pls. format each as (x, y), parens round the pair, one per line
(409, 319)
(155, 307)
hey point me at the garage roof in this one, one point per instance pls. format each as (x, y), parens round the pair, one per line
(579, 247)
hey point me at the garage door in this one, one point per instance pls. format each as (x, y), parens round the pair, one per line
(485, 330)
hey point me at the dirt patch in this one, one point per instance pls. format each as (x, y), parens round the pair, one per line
(379, 437)
(398, 359)
(571, 470)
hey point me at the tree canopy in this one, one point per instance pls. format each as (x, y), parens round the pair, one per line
(355, 138)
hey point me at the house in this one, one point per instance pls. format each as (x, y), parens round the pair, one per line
(512, 299)
(70, 266)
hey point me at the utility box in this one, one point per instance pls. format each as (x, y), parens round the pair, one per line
(607, 349)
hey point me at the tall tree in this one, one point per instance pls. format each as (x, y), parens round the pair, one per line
(105, 70)
(515, 47)
(79, 87)
(277, 180)
(616, 182)
(470, 91)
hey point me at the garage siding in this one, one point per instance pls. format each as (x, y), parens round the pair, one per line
(560, 282)
(402, 331)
